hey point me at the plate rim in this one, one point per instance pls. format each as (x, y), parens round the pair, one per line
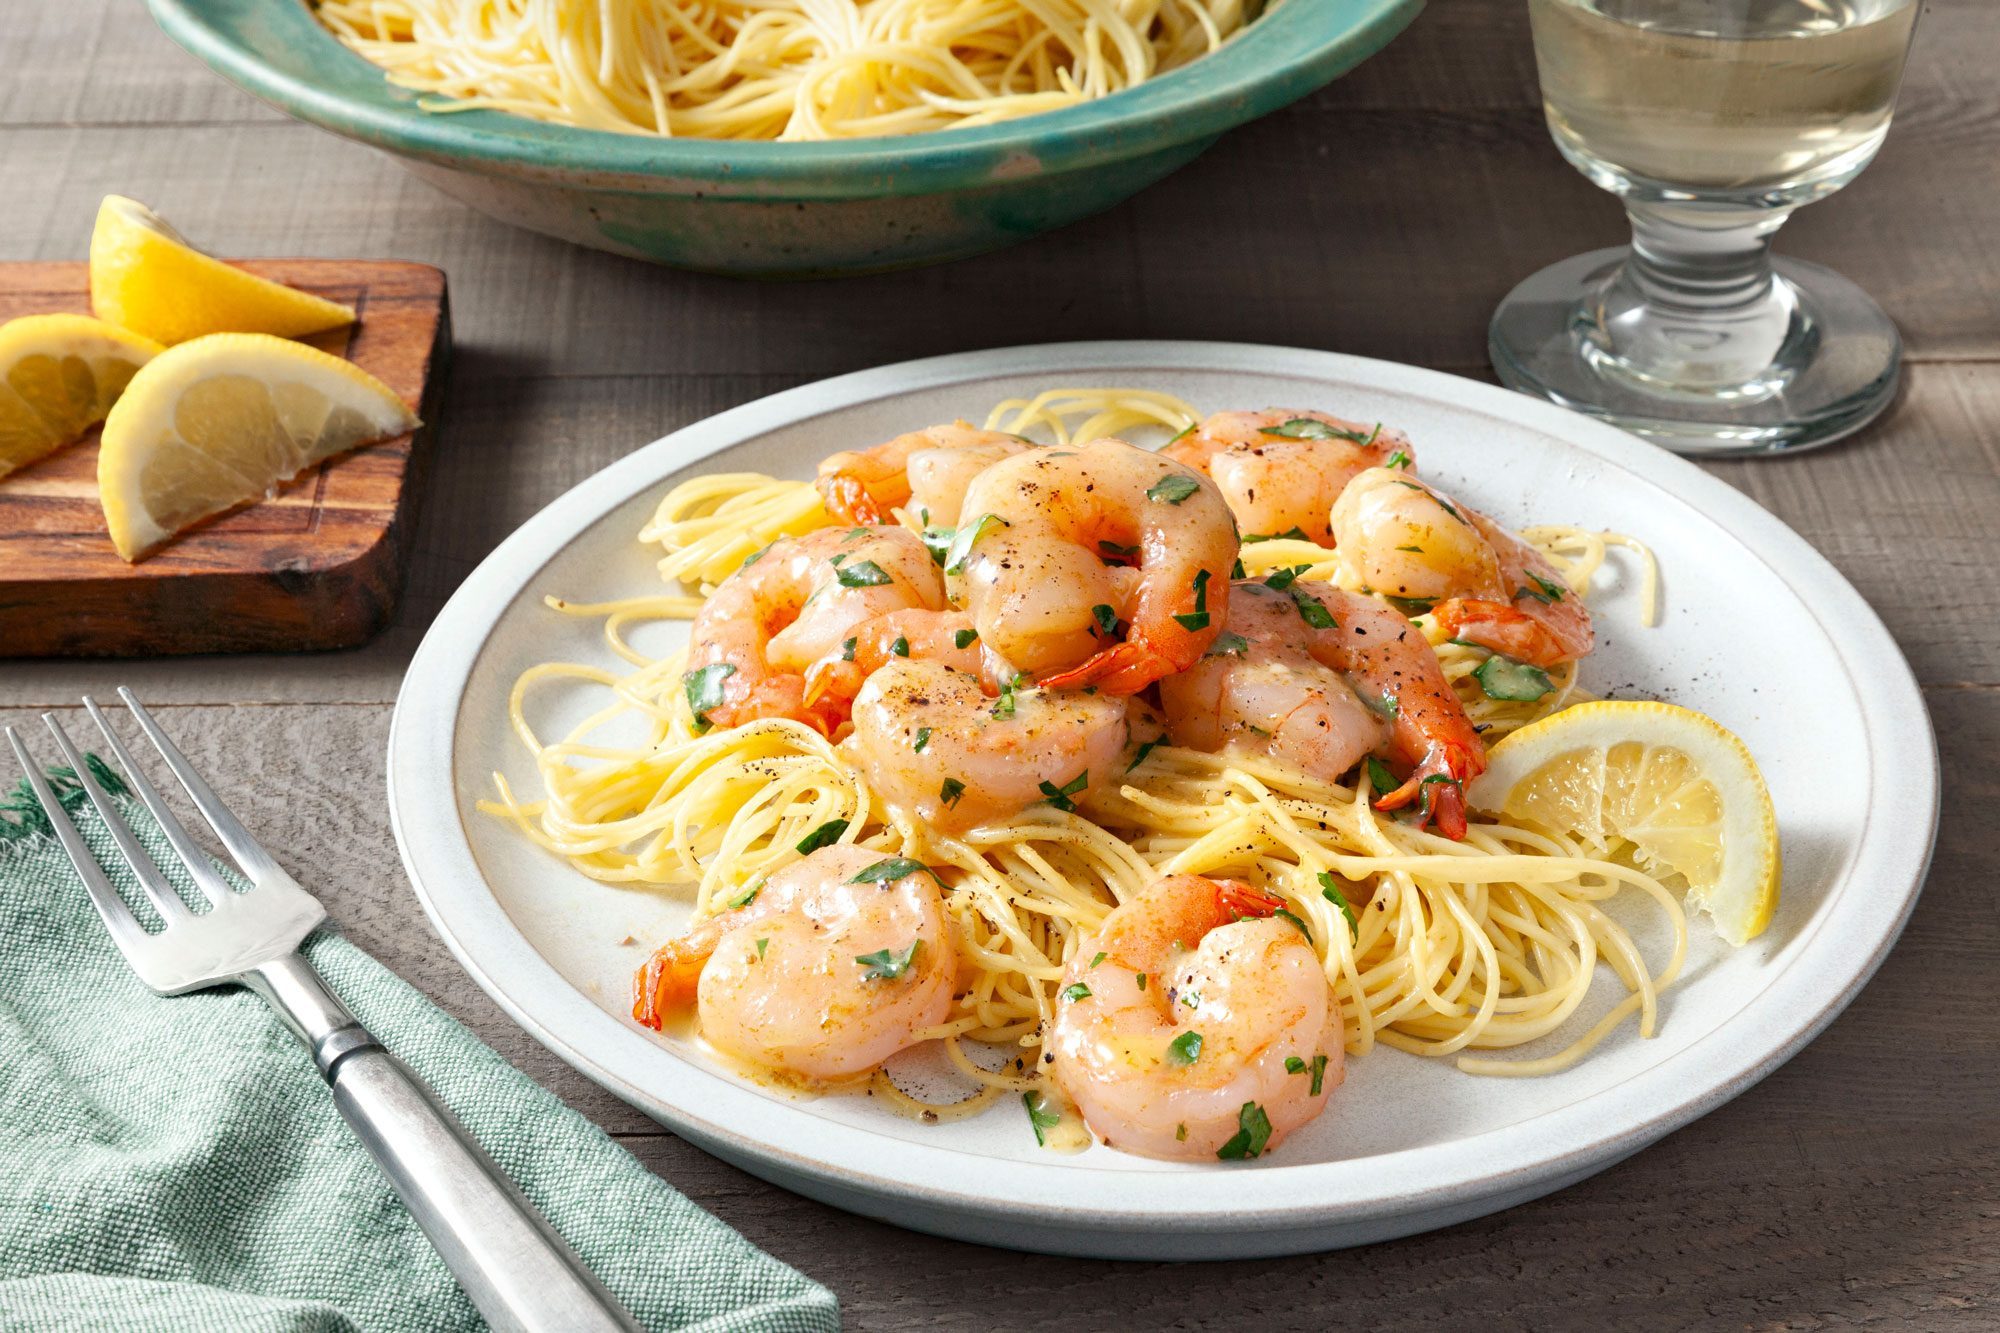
(1894, 847)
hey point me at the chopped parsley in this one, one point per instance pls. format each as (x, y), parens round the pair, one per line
(887, 964)
(1410, 606)
(1145, 750)
(1076, 991)
(951, 791)
(1309, 428)
(889, 870)
(1504, 678)
(756, 555)
(1184, 432)
(1226, 643)
(704, 690)
(1184, 1049)
(901, 647)
(1040, 1116)
(965, 539)
(1294, 1065)
(1142, 979)
(1319, 1074)
(1282, 579)
(847, 647)
(1291, 534)
(1180, 1132)
(862, 574)
(762, 945)
(923, 739)
(965, 638)
(1331, 892)
(1005, 708)
(747, 895)
(1198, 618)
(1298, 922)
(1312, 610)
(1106, 618)
(1412, 549)
(938, 542)
(1387, 704)
(825, 835)
(1117, 552)
(1059, 797)
(1100, 958)
(1173, 488)
(1398, 459)
(1380, 778)
(1544, 591)
(1252, 1133)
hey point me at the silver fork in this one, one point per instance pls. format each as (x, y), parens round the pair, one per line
(511, 1263)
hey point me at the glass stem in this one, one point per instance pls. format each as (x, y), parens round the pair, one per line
(1697, 304)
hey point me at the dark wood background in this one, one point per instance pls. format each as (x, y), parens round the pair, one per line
(1858, 1186)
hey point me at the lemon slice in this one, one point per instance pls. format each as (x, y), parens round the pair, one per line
(59, 375)
(227, 418)
(1675, 786)
(146, 278)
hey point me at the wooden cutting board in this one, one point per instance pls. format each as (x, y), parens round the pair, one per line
(320, 565)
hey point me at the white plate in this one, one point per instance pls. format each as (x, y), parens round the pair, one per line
(1758, 630)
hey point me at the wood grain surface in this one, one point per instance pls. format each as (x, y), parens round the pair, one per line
(318, 565)
(1857, 1187)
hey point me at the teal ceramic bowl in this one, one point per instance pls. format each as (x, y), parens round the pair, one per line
(791, 209)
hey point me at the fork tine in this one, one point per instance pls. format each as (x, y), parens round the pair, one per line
(213, 885)
(118, 919)
(249, 853)
(158, 891)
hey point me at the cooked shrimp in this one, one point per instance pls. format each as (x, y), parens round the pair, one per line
(1404, 538)
(797, 605)
(1319, 678)
(832, 966)
(933, 636)
(937, 747)
(1281, 470)
(1188, 1031)
(1042, 543)
(928, 468)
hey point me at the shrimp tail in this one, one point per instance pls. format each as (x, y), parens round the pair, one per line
(1239, 900)
(1122, 669)
(1438, 783)
(1502, 628)
(847, 498)
(667, 982)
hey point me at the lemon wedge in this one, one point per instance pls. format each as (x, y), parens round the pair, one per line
(145, 277)
(227, 418)
(1676, 787)
(59, 375)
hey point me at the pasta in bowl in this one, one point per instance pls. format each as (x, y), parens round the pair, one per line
(793, 207)
(1068, 763)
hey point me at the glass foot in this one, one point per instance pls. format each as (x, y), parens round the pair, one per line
(1574, 334)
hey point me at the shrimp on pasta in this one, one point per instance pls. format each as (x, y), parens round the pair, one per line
(1103, 565)
(826, 969)
(796, 605)
(1282, 469)
(926, 469)
(1404, 538)
(1320, 679)
(1196, 1024)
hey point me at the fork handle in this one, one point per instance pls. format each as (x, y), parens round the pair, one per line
(517, 1271)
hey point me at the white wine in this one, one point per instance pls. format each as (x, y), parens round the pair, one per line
(1780, 100)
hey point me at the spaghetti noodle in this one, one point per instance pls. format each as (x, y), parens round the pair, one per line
(776, 69)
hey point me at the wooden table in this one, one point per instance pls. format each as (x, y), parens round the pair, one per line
(1859, 1185)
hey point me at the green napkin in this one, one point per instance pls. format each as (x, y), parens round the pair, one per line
(177, 1164)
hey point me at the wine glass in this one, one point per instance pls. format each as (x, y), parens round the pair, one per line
(1711, 120)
